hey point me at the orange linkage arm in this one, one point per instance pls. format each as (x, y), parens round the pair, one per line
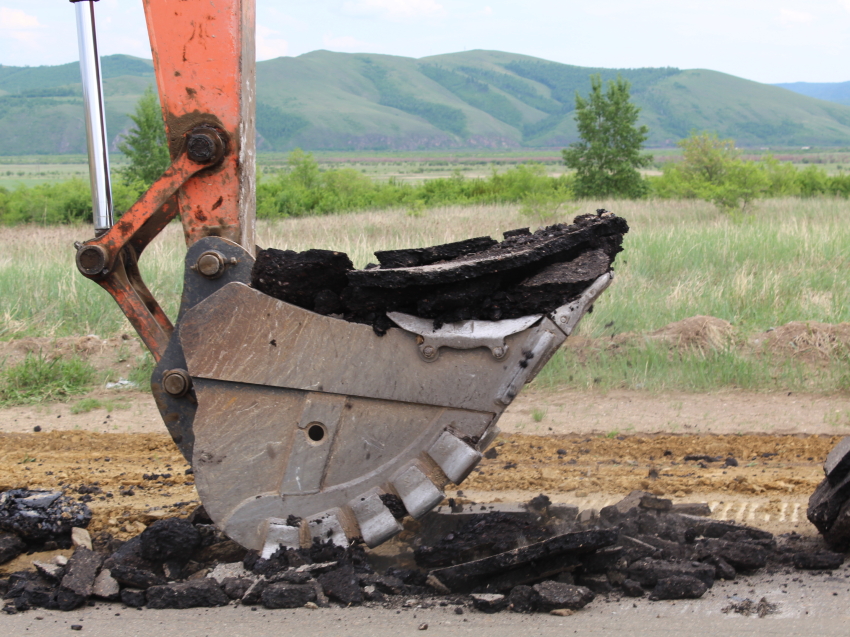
(203, 54)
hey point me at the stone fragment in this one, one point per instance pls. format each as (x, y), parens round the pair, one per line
(285, 595)
(255, 592)
(710, 528)
(129, 553)
(31, 594)
(437, 585)
(81, 538)
(654, 503)
(523, 599)
(135, 577)
(818, 561)
(635, 549)
(562, 612)
(648, 571)
(837, 464)
(10, 547)
(597, 582)
(234, 569)
(603, 560)
(587, 517)
(199, 593)
(722, 569)
(292, 576)
(700, 509)
(172, 538)
(225, 551)
(632, 589)
(614, 512)
(372, 594)
(826, 502)
(133, 597)
(679, 587)
(667, 550)
(78, 581)
(424, 256)
(489, 602)
(743, 556)
(342, 585)
(53, 573)
(557, 595)
(106, 587)
(236, 587)
(837, 536)
(541, 560)
(387, 584)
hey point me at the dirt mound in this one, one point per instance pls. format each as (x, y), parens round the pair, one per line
(810, 342)
(701, 332)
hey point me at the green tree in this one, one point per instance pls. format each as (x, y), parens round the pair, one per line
(712, 169)
(607, 158)
(146, 146)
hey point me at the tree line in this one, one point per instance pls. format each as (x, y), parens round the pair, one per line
(605, 163)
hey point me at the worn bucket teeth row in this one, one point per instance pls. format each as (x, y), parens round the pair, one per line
(374, 523)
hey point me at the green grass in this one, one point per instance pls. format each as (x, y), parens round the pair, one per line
(37, 378)
(788, 261)
(88, 404)
(655, 367)
(140, 374)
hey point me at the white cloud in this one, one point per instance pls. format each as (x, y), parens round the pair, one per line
(397, 10)
(845, 4)
(789, 16)
(19, 25)
(345, 43)
(17, 19)
(269, 46)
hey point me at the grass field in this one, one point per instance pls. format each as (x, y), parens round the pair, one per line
(32, 170)
(788, 261)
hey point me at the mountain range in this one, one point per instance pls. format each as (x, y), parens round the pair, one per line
(343, 101)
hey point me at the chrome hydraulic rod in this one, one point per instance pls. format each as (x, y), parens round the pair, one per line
(98, 147)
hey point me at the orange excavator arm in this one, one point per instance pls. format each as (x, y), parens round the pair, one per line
(204, 59)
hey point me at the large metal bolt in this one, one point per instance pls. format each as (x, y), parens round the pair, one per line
(499, 352)
(211, 264)
(176, 382)
(91, 259)
(204, 146)
(429, 352)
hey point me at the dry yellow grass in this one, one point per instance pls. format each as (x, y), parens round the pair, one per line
(788, 261)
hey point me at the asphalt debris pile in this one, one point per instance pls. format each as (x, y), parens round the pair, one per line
(643, 545)
(31, 519)
(829, 505)
(539, 557)
(526, 274)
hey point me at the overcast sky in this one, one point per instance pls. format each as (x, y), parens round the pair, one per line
(764, 40)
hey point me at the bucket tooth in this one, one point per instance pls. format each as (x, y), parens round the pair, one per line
(456, 458)
(376, 521)
(280, 534)
(327, 526)
(418, 493)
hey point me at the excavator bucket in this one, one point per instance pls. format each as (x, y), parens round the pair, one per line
(318, 407)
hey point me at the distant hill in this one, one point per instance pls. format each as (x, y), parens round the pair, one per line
(838, 92)
(341, 101)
